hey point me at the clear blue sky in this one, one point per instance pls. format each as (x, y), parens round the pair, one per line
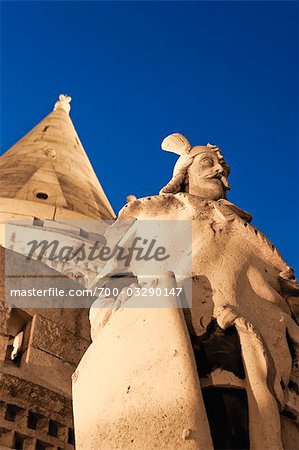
(220, 72)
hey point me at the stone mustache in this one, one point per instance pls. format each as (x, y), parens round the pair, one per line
(148, 369)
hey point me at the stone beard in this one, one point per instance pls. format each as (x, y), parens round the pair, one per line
(223, 373)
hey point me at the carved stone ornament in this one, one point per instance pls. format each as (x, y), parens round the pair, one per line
(63, 103)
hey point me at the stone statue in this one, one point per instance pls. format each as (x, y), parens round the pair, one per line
(241, 328)
(200, 171)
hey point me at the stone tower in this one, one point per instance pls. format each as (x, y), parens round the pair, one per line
(47, 184)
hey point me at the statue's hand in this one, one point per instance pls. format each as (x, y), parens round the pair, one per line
(225, 315)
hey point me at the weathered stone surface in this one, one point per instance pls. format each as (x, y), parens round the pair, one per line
(53, 338)
(58, 336)
(24, 416)
(35, 397)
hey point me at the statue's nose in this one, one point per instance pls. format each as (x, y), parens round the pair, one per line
(219, 168)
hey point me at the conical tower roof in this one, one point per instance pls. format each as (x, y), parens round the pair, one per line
(49, 165)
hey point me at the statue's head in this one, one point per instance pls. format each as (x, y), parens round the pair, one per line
(200, 170)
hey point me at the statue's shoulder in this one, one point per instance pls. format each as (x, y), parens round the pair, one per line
(226, 206)
(172, 206)
(177, 206)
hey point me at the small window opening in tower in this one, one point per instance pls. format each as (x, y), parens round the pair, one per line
(40, 445)
(42, 195)
(19, 441)
(33, 419)
(53, 428)
(11, 412)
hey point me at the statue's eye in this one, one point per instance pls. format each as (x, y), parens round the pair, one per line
(206, 162)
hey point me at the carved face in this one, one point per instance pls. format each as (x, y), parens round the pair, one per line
(207, 176)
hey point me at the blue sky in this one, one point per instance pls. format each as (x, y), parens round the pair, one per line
(220, 72)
